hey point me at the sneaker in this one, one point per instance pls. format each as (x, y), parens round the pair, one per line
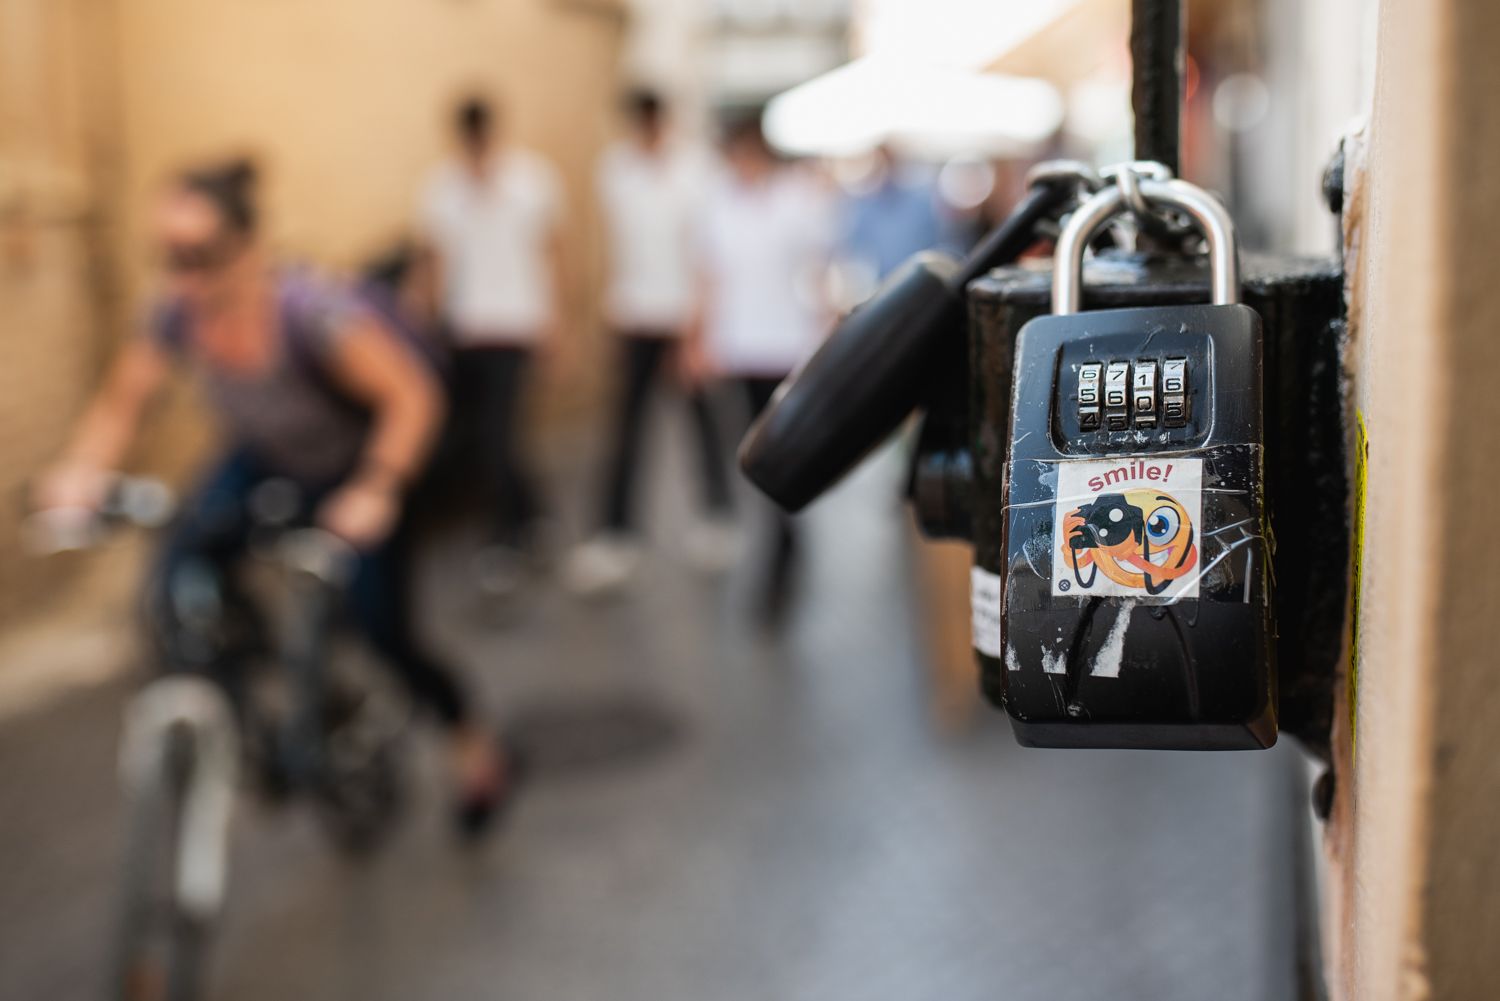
(713, 546)
(602, 565)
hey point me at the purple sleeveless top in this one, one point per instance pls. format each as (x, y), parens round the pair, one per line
(290, 415)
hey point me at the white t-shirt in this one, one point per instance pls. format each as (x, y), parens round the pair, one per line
(492, 235)
(765, 249)
(651, 202)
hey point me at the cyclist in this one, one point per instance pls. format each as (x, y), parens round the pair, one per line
(311, 386)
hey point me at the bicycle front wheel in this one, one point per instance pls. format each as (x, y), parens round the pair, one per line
(159, 943)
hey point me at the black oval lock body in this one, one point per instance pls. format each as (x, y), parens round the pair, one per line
(1135, 608)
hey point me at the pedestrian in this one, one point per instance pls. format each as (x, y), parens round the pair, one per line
(650, 187)
(493, 221)
(887, 216)
(765, 242)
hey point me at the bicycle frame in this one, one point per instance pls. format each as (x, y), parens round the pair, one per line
(200, 707)
(319, 564)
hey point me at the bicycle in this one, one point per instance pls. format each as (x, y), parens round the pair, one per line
(187, 740)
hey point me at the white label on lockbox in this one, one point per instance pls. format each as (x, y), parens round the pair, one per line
(1128, 528)
(984, 598)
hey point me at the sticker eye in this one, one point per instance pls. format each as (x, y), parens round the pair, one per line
(1162, 526)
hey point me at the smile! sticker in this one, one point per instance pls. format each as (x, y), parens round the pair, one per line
(1128, 528)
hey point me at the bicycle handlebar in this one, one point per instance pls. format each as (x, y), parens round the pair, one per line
(144, 502)
(136, 501)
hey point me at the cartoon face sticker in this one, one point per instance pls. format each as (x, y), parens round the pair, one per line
(1140, 539)
(1128, 527)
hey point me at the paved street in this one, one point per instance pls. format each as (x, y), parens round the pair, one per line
(716, 815)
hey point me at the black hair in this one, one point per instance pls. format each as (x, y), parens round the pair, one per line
(230, 187)
(474, 119)
(644, 107)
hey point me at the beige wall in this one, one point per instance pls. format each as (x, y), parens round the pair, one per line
(1418, 833)
(347, 101)
(55, 149)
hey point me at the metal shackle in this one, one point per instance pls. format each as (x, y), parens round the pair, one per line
(1204, 209)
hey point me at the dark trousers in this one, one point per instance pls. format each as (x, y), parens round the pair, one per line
(489, 387)
(758, 391)
(642, 354)
(211, 536)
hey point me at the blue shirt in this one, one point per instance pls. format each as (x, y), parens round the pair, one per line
(883, 227)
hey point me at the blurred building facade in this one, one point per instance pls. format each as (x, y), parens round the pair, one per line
(58, 170)
(348, 103)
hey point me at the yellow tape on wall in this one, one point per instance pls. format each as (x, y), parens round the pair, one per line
(1361, 471)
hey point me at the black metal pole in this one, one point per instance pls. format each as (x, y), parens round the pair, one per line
(1156, 54)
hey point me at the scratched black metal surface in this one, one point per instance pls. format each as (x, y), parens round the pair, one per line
(1300, 302)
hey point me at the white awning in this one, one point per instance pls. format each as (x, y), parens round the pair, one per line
(924, 108)
(945, 77)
